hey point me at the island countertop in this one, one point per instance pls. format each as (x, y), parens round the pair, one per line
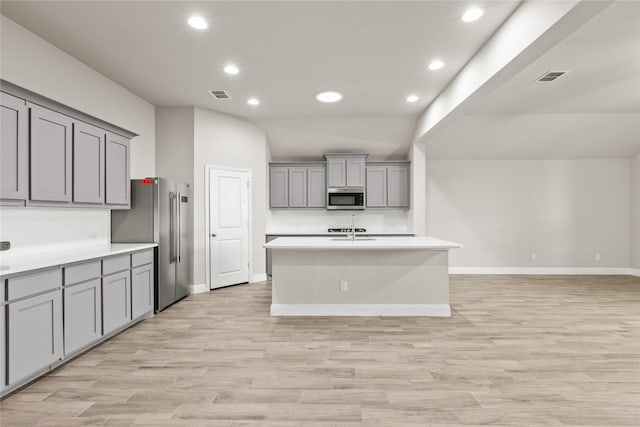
(364, 243)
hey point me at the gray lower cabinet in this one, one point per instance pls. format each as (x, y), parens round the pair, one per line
(50, 155)
(297, 187)
(141, 290)
(3, 348)
(316, 187)
(116, 301)
(117, 170)
(88, 164)
(14, 148)
(82, 315)
(34, 333)
(279, 187)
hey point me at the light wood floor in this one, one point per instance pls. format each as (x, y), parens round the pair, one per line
(517, 351)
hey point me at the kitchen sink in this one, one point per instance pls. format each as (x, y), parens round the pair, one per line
(358, 239)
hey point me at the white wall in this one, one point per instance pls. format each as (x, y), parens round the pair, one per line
(224, 140)
(283, 221)
(33, 230)
(174, 143)
(635, 211)
(33, 63)
(564, 211)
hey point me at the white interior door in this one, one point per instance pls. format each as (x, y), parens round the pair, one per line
(229, 227)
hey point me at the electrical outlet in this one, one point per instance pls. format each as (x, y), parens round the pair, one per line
(343, 285)
(5, 246)
(533, 255)
(596, 257)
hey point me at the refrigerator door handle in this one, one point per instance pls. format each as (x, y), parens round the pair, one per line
(179, 236)
(172, 228)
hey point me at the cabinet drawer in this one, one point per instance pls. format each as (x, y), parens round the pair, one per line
(142, 258)
(81, 272)
(32, 284)
(115, 264)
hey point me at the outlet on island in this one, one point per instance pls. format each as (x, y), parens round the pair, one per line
(343, 286)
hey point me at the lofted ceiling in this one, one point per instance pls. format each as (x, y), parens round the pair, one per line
(375, 53)
(593, 111)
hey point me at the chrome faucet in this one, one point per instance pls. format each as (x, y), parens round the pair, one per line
(353, 227)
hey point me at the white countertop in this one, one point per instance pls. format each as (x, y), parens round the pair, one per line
(340, 242)
(11, 264)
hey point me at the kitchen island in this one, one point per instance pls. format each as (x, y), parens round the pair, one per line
(381, 276)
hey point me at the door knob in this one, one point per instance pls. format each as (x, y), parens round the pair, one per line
(213, 235)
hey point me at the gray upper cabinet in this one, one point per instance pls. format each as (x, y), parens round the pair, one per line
(316, 187)
(279, 187)
(345, 170)
(14, 149)
(398, 186)
(117, 170)
(88, 163)
(376, 186)
(355, 172)
(336, 173)
(51, 156)
(297, 187)
(388, 185)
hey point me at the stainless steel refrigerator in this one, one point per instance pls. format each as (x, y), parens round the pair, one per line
(160, 213)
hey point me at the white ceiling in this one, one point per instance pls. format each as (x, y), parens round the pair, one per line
(376, 53)
(591, 112)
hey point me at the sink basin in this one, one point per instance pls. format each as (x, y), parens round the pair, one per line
(348, 239)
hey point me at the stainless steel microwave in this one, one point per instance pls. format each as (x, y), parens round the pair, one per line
(345, 198)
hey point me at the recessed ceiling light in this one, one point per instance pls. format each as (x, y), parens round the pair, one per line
(412, 98)
(436, 64)
(231, 69)
(198, 23)
(253, 101)
(472, 14)
(329, 96)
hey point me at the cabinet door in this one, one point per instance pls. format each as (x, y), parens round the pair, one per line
(82, 315)
(14, 149)
(355, 172)
(50, 155)
(336, 173)
(88, 163)
(398, 186)
(297, 187)
(116, 301)
(279, 187)
(34, 334)
(376, 186)
(316, 187)
(141, 290)
(117, 170)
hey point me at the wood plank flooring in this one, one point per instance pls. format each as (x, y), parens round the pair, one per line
(517, 351)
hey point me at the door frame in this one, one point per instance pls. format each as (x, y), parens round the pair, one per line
(208, 168)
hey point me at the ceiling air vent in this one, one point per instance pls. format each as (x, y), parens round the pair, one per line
(550, 76)
(220, 94)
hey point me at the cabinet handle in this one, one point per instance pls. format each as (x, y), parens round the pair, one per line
(213, 235)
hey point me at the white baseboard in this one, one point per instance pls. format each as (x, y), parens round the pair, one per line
(635, 272)
(439, 310)
(598, 271)
(198, 289)
(258, 278)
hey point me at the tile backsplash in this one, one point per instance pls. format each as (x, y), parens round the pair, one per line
(318, 220)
